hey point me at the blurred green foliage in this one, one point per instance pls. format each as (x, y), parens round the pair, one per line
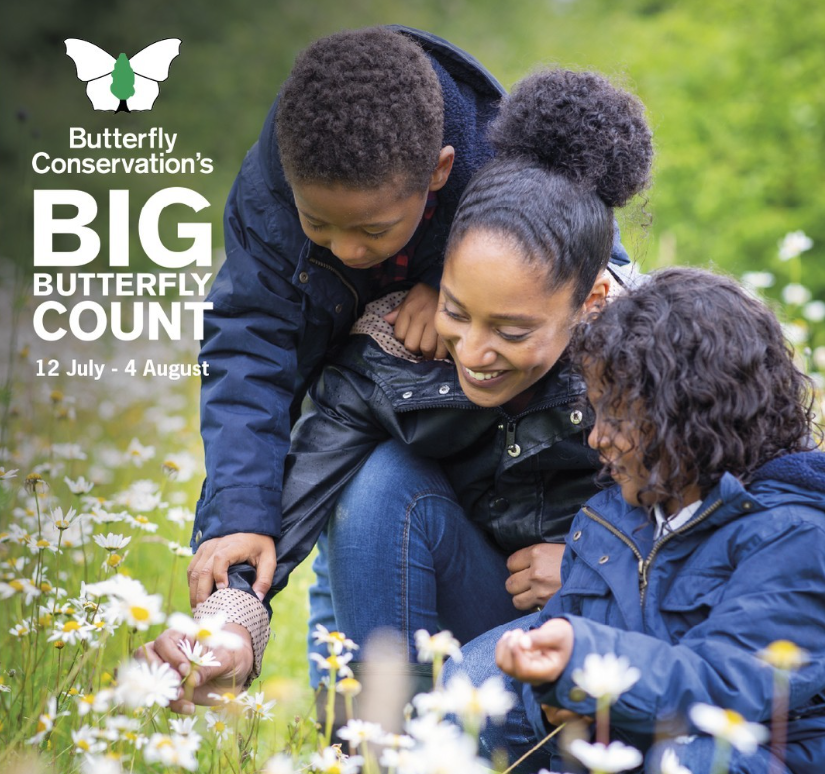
(733, 91)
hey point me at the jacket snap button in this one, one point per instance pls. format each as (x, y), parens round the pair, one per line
(303, 277)
(501, 427)
(500, 504)
(514, 450)
(443, 389)
(198, 536)
(407, 394)
(604, 559)
(576, 417)
(339, 308)
(577, 534)
(747, 505)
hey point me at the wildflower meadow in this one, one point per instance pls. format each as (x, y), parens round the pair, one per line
(98, 484)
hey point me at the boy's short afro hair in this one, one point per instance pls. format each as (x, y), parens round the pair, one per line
(361, 108)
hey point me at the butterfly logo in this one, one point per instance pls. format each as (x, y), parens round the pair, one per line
(122, 84)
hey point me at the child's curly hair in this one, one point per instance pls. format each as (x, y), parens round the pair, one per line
(704, 371)
(361, 108)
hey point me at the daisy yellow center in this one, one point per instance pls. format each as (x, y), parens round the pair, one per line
(83, 745)
(73, 692)
(71, 626)
(90, 699)
(203, 634)
(142, 519)
(16, 585)
(165, 742)
(139, 613)
(43, 543)
(733, 718)
(114, 560)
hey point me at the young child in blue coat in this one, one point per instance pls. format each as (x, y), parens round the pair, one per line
(710, 547)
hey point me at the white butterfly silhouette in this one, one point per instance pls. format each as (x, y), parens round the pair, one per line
(95, 66)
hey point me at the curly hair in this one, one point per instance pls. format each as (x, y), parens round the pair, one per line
(570, 146)
(703, 371)
(361, 108)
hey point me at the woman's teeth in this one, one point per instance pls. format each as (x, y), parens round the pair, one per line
(483, 376)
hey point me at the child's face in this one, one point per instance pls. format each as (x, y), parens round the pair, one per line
(617, 442)
(498, 321)
(360, 227)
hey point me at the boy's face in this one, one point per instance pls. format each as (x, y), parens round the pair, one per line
(360, 227)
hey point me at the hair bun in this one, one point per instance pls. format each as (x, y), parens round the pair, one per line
(581, 126)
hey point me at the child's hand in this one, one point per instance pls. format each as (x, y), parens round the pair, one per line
(535, 574)
(556, 716)
(538, 656)
(414, 321)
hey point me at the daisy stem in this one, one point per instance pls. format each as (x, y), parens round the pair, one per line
(603, 720)
(721, 757)
(330, 706)
(438, 662)
(533, 749)
(779, 721)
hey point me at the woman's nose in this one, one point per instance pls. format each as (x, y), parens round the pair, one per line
(475, 350)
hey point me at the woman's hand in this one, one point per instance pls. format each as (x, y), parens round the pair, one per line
(230, 676)
(213, 558)
(539, 655)
(535, 574)
(414, 322)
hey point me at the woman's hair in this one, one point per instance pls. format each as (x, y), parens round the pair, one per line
(570, 146)
(703, 371)
(361, 108)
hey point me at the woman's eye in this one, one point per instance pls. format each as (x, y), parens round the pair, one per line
(314, 226)
(377, 234)
(509, 335)
(451, 314)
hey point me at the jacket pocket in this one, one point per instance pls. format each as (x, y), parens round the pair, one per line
(586, 593)
(690, 601)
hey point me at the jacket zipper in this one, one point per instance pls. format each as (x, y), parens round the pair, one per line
(627, 541)
(644, 564)
(340, 276)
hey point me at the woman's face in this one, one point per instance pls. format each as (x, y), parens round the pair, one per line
(502, 327)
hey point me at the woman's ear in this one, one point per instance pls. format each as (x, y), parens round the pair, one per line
(598, 293)
(443, 169)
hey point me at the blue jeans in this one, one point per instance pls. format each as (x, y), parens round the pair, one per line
(403, 555)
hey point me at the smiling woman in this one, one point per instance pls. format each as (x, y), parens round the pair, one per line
(503, 342)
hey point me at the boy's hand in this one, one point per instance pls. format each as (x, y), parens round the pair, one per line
(538, 656)
(414, 321)
(230, 676)
(209, 565)
(535, 574)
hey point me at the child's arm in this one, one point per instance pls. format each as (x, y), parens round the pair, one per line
(414, 322)
(777, 591)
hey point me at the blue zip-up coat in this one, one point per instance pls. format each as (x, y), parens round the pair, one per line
(280, 303)
(692, 609)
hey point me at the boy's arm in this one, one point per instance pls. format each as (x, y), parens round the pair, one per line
(250, 344)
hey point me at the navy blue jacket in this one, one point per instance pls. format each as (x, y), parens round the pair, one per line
(692, 609)
(281, 302)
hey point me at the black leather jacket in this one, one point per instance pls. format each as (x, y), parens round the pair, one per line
(521, 478)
